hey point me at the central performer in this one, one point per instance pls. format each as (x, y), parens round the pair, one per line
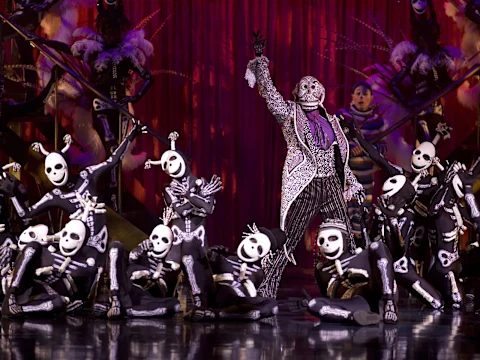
(316, 177)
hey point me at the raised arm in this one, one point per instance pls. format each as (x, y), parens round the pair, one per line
(258, 72)
(98, 170)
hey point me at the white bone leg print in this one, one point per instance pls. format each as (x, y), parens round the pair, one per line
(188, 262)
(401, 265)
(327, 310)
(26, 259)
(45, 306)
(382, 266)
(447, 258)
(455, 292)
(113, 255)
(423, 293)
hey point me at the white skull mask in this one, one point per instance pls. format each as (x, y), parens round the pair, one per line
(32, 233)
(393, 185)
(72, 237)
(162, 239)
(423, 156)
(331, 244)
(56, 169)
(310, 93)
(173, 164)
(254, 247)
(419, 6)
(458, 186)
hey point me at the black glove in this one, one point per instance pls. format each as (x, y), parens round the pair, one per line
(8, 184)
(146, 245)
(220, 249)
(258, 44)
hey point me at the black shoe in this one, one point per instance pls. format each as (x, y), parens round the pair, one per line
(365, 318)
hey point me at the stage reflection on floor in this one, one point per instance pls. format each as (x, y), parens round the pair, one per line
(420, 334)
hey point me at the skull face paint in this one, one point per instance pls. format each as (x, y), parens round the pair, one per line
(56, 169)
(72, 237)
(310, 93)
(254, 247)
(419, 6)
(32, 233)
(162, 240)
(331, 243)
(173, 164)
(423, 156)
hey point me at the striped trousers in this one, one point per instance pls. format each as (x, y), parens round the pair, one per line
(322, 197)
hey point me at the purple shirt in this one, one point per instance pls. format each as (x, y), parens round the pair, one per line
(321, 130)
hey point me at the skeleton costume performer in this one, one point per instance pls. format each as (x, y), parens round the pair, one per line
(316, 177)
(145, 288)
(64, 195)
(9, 244)
(401, 206)
(353, 285)
(113, 53)
(56, 278)
(237, 277)
(446, 266)
(426, 63)
(192, 200)
(370, 124)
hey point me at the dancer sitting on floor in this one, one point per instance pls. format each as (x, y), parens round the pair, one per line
(238, 275)
(358, 288)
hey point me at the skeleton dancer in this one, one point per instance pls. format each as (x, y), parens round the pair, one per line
(64, 194)
(192, 200)
(316, 177)
(9, 244)
(145, 288)
(371, 124)
(114, 54)
(423, 159)
(427, 63)
(7, 238)
(400, 205)
(445, 269)
(237, 277)
(60, 277)
(356, 287)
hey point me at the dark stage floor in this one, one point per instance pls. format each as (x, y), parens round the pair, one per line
(420, 334)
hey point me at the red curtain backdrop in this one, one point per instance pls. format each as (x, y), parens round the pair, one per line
(223, 124)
